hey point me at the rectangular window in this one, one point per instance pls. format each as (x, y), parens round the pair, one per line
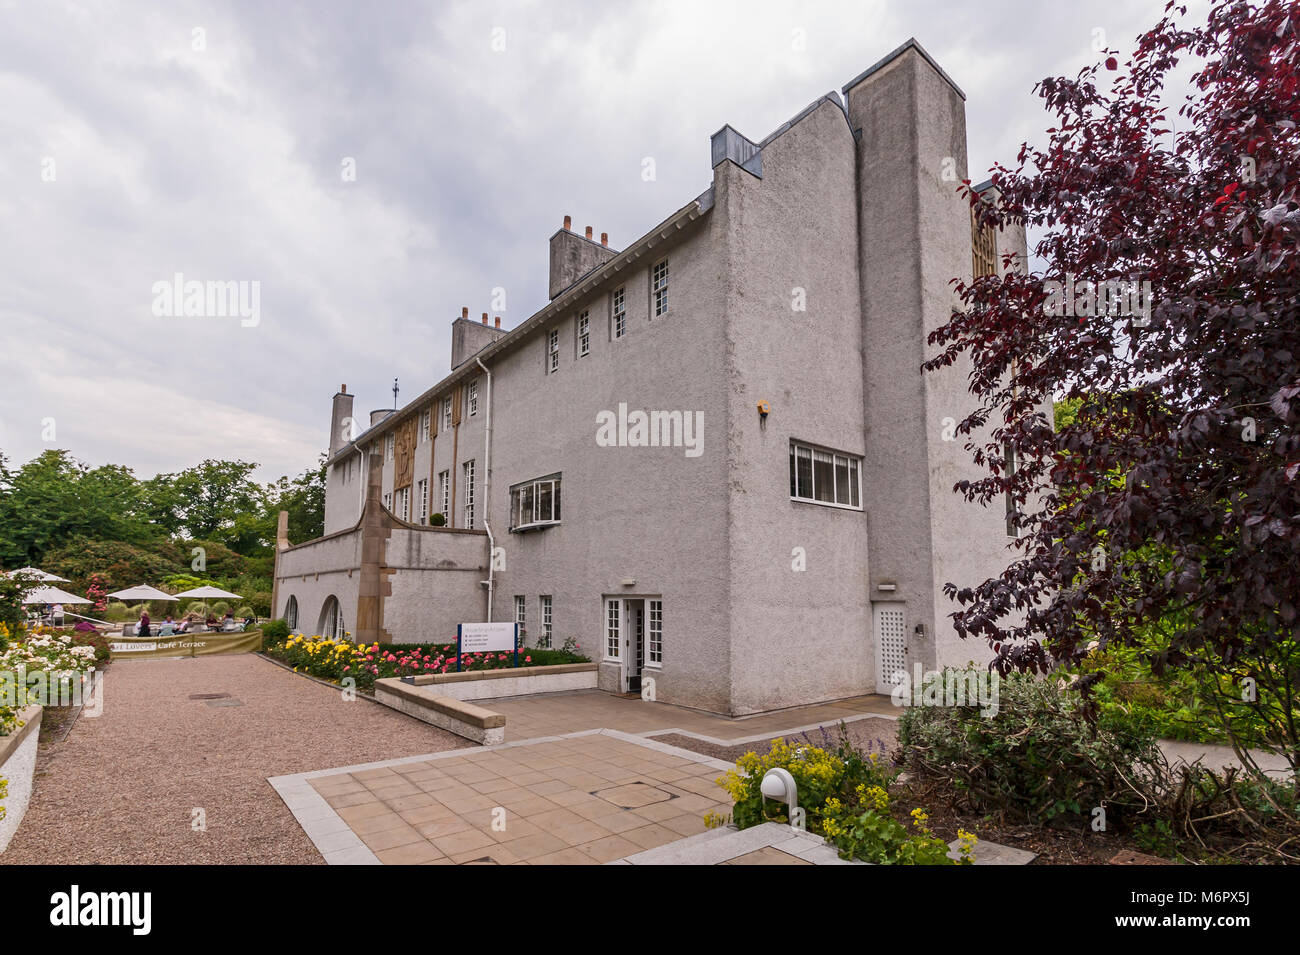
(426, 420)
(403, 503)
(659, 288)
(825, 477)
(422, 493)
(521, 612)
(584, 334)
(654, 647)
(618, 308)
(388, 501)
(613, 638)
(444, 495)
(388, 447)
(469, 496)
(473, 397)
(546, 620)
(535, 503)
(446, 414)
(553, 350)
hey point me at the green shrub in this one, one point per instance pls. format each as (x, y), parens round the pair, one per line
(437, 520)
(244, 611)
(219, 607)
(1040, 756)
(274, 632)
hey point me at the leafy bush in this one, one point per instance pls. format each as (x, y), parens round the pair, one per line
(868, 832)
(1038, 757)
(274, 632)
(437, 520)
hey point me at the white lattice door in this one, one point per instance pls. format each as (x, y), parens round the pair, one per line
(891, 645)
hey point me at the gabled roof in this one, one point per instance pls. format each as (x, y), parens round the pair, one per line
(911, 44)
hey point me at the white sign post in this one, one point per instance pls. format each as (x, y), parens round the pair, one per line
(487, 638)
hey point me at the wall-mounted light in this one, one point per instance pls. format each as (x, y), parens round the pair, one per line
(764, 409)
(886, 585)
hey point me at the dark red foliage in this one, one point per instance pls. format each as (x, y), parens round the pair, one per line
(1195, 521)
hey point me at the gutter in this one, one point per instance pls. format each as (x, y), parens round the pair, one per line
(487, 486)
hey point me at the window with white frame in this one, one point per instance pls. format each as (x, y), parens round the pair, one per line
(659, 288)
(469, 495)
(426, 422)
(389, 444)
(535, 503)
(584, 334)
(825, 477)
(521, 613)
(444, 495)
(654, 646)
(403, 509)
(618, 308)
(546, 620)
(422, 495)
(471, 397)
(553, 350)
(388, 500)
(613, 636)
(446, 413)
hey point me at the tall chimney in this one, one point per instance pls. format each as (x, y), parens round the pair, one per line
(604, 238)
(568, 222)
(588, 232)
(485, 318)
(464, 311)
(342, 427)
(498, 321)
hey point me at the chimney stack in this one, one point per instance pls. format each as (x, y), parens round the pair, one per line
(485, 318)
(342, 427)
(498, 321)
(604, 238)
(588, 232)
(464, 311)
(343, 389)
(568, 222)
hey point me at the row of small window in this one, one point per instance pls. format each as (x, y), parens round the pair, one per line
(521, 618)
(425, 431)
(617, 318)
(399, 501)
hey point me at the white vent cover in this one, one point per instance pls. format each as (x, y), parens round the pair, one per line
(891, 644)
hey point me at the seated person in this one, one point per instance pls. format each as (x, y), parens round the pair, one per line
(186, 623)
(228, 621)
(211, 622)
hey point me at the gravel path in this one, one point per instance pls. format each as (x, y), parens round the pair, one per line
(122, 788)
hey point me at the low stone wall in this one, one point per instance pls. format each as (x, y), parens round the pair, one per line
(18, 767)
(456, 716)
(514, 681)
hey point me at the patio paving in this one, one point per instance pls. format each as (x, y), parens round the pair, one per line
(584, 799)
(554, 714)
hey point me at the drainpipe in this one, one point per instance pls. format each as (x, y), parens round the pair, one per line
(487, 484)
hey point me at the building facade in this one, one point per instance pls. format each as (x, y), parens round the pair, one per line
(712, 459)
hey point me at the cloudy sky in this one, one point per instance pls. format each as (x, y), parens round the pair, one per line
(140, 140)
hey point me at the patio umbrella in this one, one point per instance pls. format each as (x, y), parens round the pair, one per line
(53, 595)
(142, 592)
(36, 574)
(207, 591)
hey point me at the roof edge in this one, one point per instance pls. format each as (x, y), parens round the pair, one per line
(910, 44)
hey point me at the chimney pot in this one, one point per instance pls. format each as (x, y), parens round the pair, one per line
(464, 311)
(588, 232)
(343, 390)
(498, 321)
(604, 238)
(485, 318)
(568, 222)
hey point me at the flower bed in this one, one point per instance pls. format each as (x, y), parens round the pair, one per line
(845, 798)
(41, 667)
(337, 660)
